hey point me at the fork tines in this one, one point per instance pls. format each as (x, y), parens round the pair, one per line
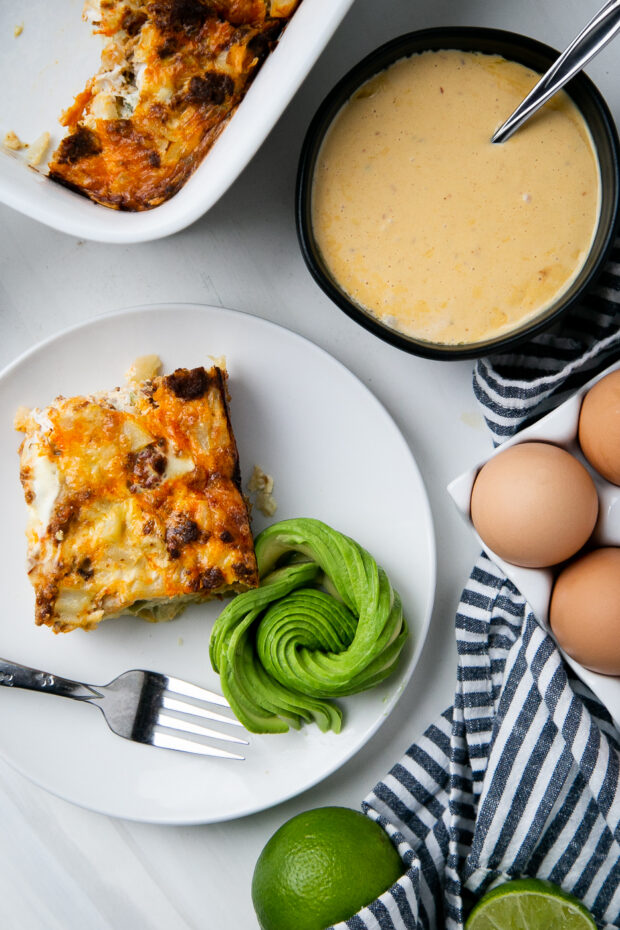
(197, 708)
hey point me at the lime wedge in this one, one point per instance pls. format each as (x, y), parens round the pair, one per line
(529, 904)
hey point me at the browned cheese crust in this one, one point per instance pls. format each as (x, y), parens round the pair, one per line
(147, 512)
(172, 74)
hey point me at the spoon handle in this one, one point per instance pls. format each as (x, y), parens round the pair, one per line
(599, 31)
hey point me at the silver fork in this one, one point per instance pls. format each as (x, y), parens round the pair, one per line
(137, 704)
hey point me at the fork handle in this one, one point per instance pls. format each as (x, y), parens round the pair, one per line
(13, 675)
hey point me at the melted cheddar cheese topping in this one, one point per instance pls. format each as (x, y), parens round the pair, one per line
(134, 501)
(172, 73)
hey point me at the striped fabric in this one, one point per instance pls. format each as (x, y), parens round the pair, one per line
(521, 777)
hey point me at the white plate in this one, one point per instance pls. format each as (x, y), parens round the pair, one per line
(560, 427)
(335, 454)
(50, 62)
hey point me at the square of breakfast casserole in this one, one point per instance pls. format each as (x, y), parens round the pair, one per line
(172, 74)
(134, 499)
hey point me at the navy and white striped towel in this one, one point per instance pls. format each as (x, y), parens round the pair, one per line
(521, 777)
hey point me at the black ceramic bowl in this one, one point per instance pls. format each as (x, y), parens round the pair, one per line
(514, 47)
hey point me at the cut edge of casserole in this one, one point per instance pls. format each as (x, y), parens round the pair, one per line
(134, 499)
(172, 74)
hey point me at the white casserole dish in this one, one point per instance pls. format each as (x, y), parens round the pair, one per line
(48, 63)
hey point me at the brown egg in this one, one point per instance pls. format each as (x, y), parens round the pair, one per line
(585, 610)
(599, 427)
(534, 504)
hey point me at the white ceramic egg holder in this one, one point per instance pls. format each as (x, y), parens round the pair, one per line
(560, 428)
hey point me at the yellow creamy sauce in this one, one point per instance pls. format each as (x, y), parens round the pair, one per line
(432, 228)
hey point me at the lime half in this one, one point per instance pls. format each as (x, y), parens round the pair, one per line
(529, 904)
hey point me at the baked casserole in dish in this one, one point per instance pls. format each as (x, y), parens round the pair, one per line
(172, 74)
(56, 56)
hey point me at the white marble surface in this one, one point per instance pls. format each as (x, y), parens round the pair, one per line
(64, 868)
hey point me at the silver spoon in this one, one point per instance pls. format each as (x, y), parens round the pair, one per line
(599, 31)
